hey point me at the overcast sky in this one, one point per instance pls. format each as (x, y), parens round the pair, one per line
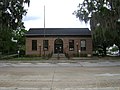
(58, 14)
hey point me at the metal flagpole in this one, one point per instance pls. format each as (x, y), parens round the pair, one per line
(44, 31)
(44, 21)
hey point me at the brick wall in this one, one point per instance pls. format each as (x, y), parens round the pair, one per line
(51, 45)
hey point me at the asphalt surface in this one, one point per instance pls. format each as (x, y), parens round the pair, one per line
(81, 75)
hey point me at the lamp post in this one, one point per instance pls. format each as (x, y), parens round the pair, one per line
(40, 49)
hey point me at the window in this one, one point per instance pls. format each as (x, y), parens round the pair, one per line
(83, 45)
(45, 45)
(71, 45)
(34, 45)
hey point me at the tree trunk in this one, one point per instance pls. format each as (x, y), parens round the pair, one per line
(104, 49)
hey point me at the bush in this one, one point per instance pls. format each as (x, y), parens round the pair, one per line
(83, 55)
(50, 55)
(22, 53)
(67, 55)
(76, 55)
(47, 56)
(31, 56)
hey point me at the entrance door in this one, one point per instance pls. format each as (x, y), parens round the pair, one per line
(58, 46)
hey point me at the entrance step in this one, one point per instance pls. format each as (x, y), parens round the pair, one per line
(58, 57)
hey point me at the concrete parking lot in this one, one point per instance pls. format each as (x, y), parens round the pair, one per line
(60, 76)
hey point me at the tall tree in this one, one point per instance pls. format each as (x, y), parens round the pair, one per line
(103, 14)
(117, 39)
(11, 14)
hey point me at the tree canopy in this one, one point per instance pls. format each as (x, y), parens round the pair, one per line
(11, 14)
(102, 12)
(104, 16)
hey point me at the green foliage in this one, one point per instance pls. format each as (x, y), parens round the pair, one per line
(47, 56)
(117, 38)
(76, 55)
(67, 55)
(83, 55)
(22, 53)
(103, 16)
(11, 14)
(80, 55)
(27, 58)
(9, 56)
(50, 55)
(31, 56)
(114, 49)
(19, 35)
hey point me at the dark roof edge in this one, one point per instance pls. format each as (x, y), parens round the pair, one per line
(52, 32)
(58, 35)
(58, 28)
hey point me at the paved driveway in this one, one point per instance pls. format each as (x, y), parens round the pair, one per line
(60, 76)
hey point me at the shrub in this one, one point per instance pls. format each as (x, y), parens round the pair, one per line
(47, 56)
(50, 55)
(76, 55)
(22, 53)
(83, 55)
(67, 55)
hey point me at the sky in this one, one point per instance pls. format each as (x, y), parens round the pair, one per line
(58, 14)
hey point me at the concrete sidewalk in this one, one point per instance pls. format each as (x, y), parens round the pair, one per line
(63, 63)
(15, 88)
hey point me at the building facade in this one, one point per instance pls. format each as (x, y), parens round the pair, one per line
(42, 41)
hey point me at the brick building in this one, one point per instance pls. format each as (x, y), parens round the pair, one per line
(40, 41)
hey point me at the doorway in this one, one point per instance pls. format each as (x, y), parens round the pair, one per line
(58, 46)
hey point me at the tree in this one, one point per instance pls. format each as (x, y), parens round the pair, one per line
(19, 35)
(103, 14)
(117, 39)
(102, 39)
(11, 14)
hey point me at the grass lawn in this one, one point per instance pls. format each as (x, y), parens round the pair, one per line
(16, 58)
(28, 58)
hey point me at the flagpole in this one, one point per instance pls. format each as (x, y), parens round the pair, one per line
(44, 18)
(44, 31)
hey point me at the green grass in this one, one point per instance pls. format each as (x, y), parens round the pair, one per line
(8, 56)
(28, 58)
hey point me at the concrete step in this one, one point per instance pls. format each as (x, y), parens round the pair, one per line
(58, 56)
